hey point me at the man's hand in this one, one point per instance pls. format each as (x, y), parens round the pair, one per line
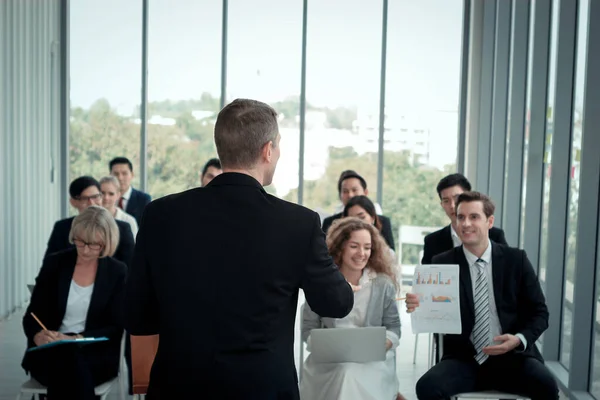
(509, 343)
(412, 302)
(388, 344)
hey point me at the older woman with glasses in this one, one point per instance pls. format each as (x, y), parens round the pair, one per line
(78, 294)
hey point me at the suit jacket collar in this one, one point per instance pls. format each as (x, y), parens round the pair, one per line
(447, 238)
(235, 179)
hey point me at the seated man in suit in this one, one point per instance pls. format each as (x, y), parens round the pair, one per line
(503, 312)
(448, 189)
(84, 192)
(132, 201)
(211, 169)
(351, 184)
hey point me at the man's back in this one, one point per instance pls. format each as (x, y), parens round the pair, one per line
(216, 273)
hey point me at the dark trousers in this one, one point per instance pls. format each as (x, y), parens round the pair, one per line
(71, 372)
(510, 373)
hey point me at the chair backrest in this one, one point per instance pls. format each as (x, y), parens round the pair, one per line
(143, 352)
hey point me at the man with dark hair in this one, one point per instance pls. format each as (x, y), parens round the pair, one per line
(351, 184)
(217, 271)
(211, 169)
(448, 189)
(503, 313)
(84, 192)
(132, 201)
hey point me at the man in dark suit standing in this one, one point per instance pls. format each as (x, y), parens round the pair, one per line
(84, 192)
(351, 184)
(217, 270)
(448, 189)
(132, 201)
(503, 313)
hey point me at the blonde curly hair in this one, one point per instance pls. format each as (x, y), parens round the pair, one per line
(381, 259)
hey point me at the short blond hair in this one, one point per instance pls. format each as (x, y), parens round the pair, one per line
(111, 179)
(96, 221)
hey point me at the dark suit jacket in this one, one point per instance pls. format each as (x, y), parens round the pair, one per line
(105, 315)
(386, 227)
(519, 299)
(441, 240)
(216, 273)
(59, 240)
(136, 204)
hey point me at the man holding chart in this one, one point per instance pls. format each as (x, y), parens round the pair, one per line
(217, 270)
(503, 313)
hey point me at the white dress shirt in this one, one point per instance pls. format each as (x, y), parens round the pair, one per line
(455, 239)
(126, 196)
(495, 327)
(123, 216)
(78, 304)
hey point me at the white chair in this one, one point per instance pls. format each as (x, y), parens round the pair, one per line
(485, 394)
(35, 388)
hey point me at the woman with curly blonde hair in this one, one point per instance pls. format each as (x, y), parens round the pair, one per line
(365, 260)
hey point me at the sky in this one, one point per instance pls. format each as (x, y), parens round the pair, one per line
(264, 51)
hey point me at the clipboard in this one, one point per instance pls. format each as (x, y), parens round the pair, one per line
(81, 341)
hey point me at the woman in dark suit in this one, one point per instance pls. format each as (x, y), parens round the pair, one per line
(78, 293)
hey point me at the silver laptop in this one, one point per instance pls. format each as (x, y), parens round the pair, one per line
(339, 345)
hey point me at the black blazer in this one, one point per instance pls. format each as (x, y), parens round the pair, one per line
(59, 240)
(386, 227)
(216, 273)
(519, 299)
(136, 204)
(441, 240)
(105, 315)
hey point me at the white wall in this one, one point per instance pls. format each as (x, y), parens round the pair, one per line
(29, 142)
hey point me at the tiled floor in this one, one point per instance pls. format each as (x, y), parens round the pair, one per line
(12, 346)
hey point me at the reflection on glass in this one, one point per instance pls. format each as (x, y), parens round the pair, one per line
(573, 211)
(421, 114)
(184, 70)
(342, 95)
(269, 71)
(595, 373)
(105, 84)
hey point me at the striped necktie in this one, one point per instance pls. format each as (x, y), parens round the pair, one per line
(481, 331)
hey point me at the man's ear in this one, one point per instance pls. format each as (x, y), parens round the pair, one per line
(267, 151)
(490, 222)
(72, 202)
(366, 192)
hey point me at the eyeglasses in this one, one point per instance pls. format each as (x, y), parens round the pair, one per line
(92, 246)
(88, 198)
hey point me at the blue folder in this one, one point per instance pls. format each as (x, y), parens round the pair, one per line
(81, 341)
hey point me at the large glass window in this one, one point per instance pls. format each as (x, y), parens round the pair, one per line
(595, 372)
(421, 115)
(548, 145)
(184, 75)
(342, 95)
(105, 83)
(527, 126)
(269, 71)
(571, 245)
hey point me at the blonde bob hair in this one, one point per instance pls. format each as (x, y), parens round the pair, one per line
(94, 222)
(381, 259)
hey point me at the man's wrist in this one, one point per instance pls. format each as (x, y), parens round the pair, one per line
(523, 345)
